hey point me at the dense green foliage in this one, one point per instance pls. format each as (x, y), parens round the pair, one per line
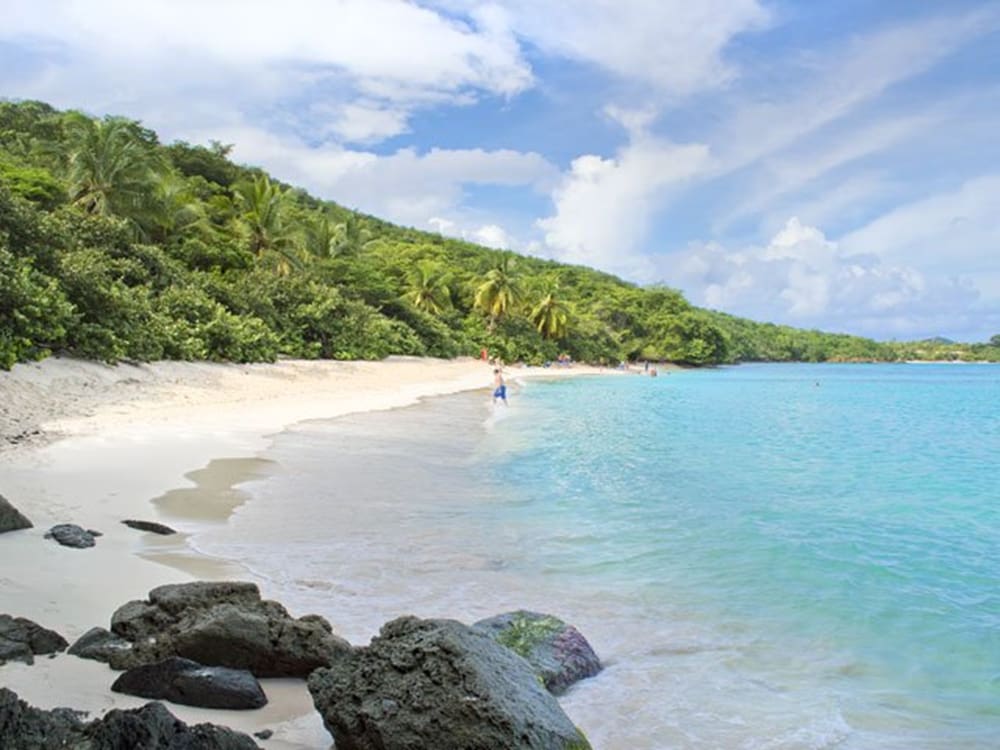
(116, 247)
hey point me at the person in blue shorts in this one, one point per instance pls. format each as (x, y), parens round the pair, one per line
(499, 387)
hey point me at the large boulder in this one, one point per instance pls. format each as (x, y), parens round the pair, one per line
(438, 684)
(11, 519)
(152, 727)
(71, 535)
(21, 639)
(224, 624)
(559, 653)
(98, 644)
(191, 684)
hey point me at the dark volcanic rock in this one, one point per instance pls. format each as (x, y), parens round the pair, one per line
(224, 624)
(23, 727)
(11, 518)
(71, 535)
(187, 682)
(152, 727)
(21, 639)
(264, 734)
(438, 684)
(557, 651)
(98, 644)
(152, 526)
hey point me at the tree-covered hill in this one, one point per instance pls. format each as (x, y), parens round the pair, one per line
(114, 246)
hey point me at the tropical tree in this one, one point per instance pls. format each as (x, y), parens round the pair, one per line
(177, 208)
(113, 169)
(428, 288)
(263, 204)
(499, 292)
(352, 235)
(550, 315)
(321, 237)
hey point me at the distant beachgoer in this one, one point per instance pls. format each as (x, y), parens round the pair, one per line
(645, 366)
(499, 387)
(483, 354)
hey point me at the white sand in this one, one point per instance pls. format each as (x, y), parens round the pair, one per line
(91, 444)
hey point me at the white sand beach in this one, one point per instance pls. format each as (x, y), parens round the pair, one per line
(91, 444)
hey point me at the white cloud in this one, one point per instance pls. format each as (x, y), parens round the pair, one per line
(407, 186)
(603, 205)
(787, 174)
(675, 47)
(252, 56)
(492, 235)
(846, 77)
(956, 228)
(802, 278)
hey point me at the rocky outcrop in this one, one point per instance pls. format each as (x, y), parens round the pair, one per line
(438, 684)
(21, 639)
(98, 644)
(191, 684)
(11, 519)
(151, 526)
(71, 535)
(23, 727)
(224, 624)
(559, 653)
(152, 727)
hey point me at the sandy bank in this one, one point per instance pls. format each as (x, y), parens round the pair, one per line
(86, 443)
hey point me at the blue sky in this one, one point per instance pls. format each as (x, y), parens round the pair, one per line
(823, 164)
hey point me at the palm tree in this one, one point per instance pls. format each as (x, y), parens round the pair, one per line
(352, 235)
(322, 237)
(178, 210)
(112, 170)
(263, 205)
(551, 315)
(428, 288)
(500, 291)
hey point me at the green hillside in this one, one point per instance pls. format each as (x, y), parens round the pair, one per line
(114, 246)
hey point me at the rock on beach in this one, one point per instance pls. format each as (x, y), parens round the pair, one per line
(21, 640)
(98, 644)
(71, 535)
(438, 684)
(152, 727)
(223, 624)
(151, 526)
(192, 684)
(559, 653)
(11, 519)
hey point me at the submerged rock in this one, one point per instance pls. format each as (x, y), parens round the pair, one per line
(152, 727)
(559, 653)
(11, 519)
(21, 639)
(224, 624)
(438, 684)
(151, 526)
(191, 684)
(98, 644)
(71, 535)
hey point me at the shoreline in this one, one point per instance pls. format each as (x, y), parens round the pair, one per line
(105, 443)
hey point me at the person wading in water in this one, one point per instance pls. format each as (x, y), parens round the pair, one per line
(499, 387)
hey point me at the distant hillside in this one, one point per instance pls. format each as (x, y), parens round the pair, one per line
(114, 246)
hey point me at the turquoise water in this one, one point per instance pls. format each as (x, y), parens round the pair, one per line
(770, 556)
(846, 519)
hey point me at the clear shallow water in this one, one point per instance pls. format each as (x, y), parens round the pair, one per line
(766, 556)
